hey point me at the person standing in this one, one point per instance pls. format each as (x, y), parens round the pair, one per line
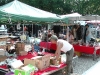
(87, 34)
(74, 32)
(79, 34)
(66, 47)
(71, 37)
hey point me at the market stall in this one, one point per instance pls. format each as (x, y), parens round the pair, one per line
(16, 50)
(78, 49)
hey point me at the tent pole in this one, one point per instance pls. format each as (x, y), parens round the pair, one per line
(32, 29)
(23, 31)
(67, 32)
(23, 28)
(95, 28)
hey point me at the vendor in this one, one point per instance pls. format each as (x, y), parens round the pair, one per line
(70, 37)
(63, 45)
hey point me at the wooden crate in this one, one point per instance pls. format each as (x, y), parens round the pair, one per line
(78, 53)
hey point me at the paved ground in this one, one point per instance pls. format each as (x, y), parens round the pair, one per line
(81, 64)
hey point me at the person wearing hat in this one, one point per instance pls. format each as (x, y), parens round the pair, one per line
(66, 47)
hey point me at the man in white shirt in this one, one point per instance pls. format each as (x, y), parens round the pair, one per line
(66, 47)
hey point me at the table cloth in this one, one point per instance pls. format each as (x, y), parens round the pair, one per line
(83, 49)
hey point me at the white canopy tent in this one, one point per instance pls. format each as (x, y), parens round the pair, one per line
(73, 16)
(94, 21)
(91, 17)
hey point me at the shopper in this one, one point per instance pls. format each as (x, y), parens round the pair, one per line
(74, 32)
(87, 34)
(79, 32)
(66, 47)
(70, 37)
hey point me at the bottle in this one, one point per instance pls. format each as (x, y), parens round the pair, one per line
(94, 44)
(87, 44)
(43, 51)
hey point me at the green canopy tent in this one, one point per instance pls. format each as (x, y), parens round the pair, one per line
(20, 11)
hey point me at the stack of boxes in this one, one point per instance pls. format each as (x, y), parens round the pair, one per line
(2, 48)
(20, 47)
(3, 43)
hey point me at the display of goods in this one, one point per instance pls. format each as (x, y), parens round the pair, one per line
(2, 58)
(55, 62)
(9, 45)
(20, 44)
(2, 52)
(25, 70)
(22, 53)
(43, 62)
(3, 47)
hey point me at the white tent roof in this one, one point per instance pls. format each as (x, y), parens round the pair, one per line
(71, 15)
(95, 17)
(94, 21)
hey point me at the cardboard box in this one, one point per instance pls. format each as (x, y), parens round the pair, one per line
(22, 53)
(25, 70)
(3, 39)
(18, 50)
(2, 52)
(43, 62)
(55, 62)
(29, 61)
(2, 58)
(20, 44)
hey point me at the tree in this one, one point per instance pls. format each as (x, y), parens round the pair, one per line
(83, 7)
(86, 7)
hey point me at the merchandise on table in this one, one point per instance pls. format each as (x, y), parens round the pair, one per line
(29, 61)
(20, 46)
(3, 43)
(43, 62)
(22, 53)
(40, 63)
(55, 62)
(25, 70)
(9, 45)
(16, 64)
(2, 58)
(2, 52)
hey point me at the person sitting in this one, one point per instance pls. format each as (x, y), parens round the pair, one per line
(66, 47)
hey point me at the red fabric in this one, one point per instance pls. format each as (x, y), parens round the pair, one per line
(84, 49)
(28, 56)
(48, 45)
(3, 67)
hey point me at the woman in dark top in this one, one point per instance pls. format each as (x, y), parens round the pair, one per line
(85, 35)
(79, 32)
